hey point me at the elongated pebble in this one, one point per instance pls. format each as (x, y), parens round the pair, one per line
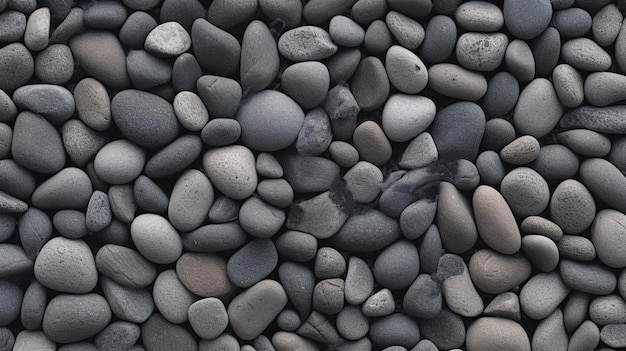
(204, 274)
(146, 228)
(254, 309)
(456, 224)
(457, 82)
(588, 277)
(542, 293)
(605, 181)
(495, 221)
(493, 333)
(599, 119)
(585, 54)
(405, 70)
(482, 52)
(495, 273)
(479, 16)
(537, 99)
(217, 51)
(101, 54)
(606, 25)
(439, 39)
(550, 333)
(569, 85)
(604, 88)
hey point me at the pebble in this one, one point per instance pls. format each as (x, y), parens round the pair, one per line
(550, 333)
(420, 152)
(328, 296)
(105, 15)
(168, 39)
(395, 329)
(379, 304)
(556, 161)
(98, 215)
(575, 311)
(158, 334)
(260, 251)
(505, 305)
(568, 84)
(147, 71)
(618, 148)
(156, 239)
(446, 331)
(171, 298)
(501, 96)
(231, 170)
(586, 337)
(457, 139)
(542, 294)
(268, 166)
(12, 25)
(576, 247)
(208, 317)
(538, 109)
(217, 51)
(136, 28)
(479, 16)
(351, 323)
(119, 162)
(342, 110)
(492, 333)
(290, 13)
(610, 309)
(7, 107)
(228, 15)
(368, 231)
(459, 291)
(614, 335)
(591, 278)
(481, 51)
(490, 168)
(297, 246)
(190, 201)
(35, 229)
(526, 20)
(93, 104)
(37, 33)
(319, 12)
(125, 266)
(372, 144)
(260, 219)
(51, 101)
(525, 191)
(457, 82)
(572, 207)
(132, 305)
(572, 22)
(606, 24)
(387, 271)
(605, 181)
(404, 117)
(55, 64)
(33, 340)
(329, 263)
(215, 237)
(66, 265)
(454, 220)
(174, 157)
(11, 303)
(586, 55)
(370, 84)
(308, 174)
(306, 43)
(424, 298)
(439, 39)
(288, 320)
(495, 273)
(344, 31)
(36, 144)
(118, 334)
(541, 251)
(7, 339)
(604, 88)
(408, 32)
(306, 83)
(359, 282)
(316, 133)
(322, 215)
(252, 311)
(260, 61)
(102, 56)
(606, 233)
(299, 281)
(495, 221)
(597, 119)
(185, 72)
(33, 306)
(276, 192)
(344, 154)
(204, 274)
(519, 60)
(70, 318)
(417, 218)
(149, 196)
(283, 341)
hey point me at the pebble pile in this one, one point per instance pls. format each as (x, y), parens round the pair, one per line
(282, 175)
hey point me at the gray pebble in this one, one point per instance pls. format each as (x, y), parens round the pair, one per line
(520, 151)
(495, 273)
(381, 231)
(614, 335)
(260, 219)
(379, 304)
(446, 331)
(344, 31)
(204, 274)
(420, 152)
(610, 309)
(147, 71)
(591, 278)
(306, 43)
(604, 88)
(136, 28)
(366, 11)
(541, 251)
(98, 215)
(10, 204)
(372, 143)
(505, 305)
(12, 26)
(288, 320)
(37, 33)
(546, 50)
(352, 324)
(259, 57)
(502, 94)
(125, 266)
(525, 191)
(556, 162)
(133, 305)
(568, 84)
(318, 328)
(586, 55)
(550, 333)
(479, 16)
(7, 339)
(481, 51)
(378, 38)
(8, 225)
(386, 268)
(458, 139)
(586, 142)
(308, 174)
(285, 341)
(572, 22)
(607, 229)
(395, 329)
(342, 109)
(268, 166)
(408, 32)
(53, 102)
(605, 181)
(586, 337)
(577, 248)
(208, 328)
(458, 290)
(328, 296)
(93, 104)
(117, 334)
(106, 15)
(155, 238)
(370, 84)
(424, 298)
(168, 39)
(299, 281)
(175, 157)
(599, 119)
(306, 82)
(102, 56)
(342, 65)
(70, 318)
(8, 110)
(215, 237)
(344, 154)
(14, 261)
(35, 229)
(66, 265)
(527, 20)
(457, 82)
(363, 181)
(606, 25)
(122, 202)
(519, 60)
(185, 72)
(231, 170)
(36, 144)
(316, 133)
(329, 263)
(416, 10)
(359, 282)
(276, 192)
(537, 99)
(541, 295)
(11, 302)
(252, 262)
(142, 5)
(439, 39)
(227, 15)
(171, 297)
(149, 196)
(498, 133)
(55, 64)
(490, 168)
(460, 234)
(297, 246)
(430, 250)
(190, 201)
(33, 340)
(406, 116)
(158, 334)
(18, 68)
(217, 51)
(119, 162)
(572, 207)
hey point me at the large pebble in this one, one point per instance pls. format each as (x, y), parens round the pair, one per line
(439, 40)
(259, 57)
(309, 174)
(70, 188)
(18, 66)
(342, 110)
(572, 207)
(455, 220)
(586, 142)
(458, 289)
(11, 303)
(217, 51)
(538, 110)
(359, 282)
(344, 31)
(36, 144)
(363, 181)
(576, 247)
(479, 16)
(405, 70)
(456, 138)
(232, 170)
(208, 317)
(306, 43)
(270, 120)
(495, 221)
(481, 51)
(406, 116)
(204, 274)
(420, 152)
(521, 151)
(102, 56)
(372, 144)
(408, 32)
(604, 88)
(586, 55)
(556, 161)
(125, 266)
(71, 318)
(457, 82)
(395, 329)
(606, 25)
(541, 251)
(424, 298)
(502, 94)
(370, 84)
(156, 239)
(527, 20)
(220, 95)
(66, 265)
(135, 29)
(12, 25)
(158, 334)
(505, 305)
(541, 295)
(610, 309)
(119, 162)
(607, 234)
(190, 201)
(605, 181)
(168, 39)
(366, 232)
(387, 268)
(14, 261)
(252, 262)
(297, 246)
(525, 191)
(171, 297)
(492, 333)
(306, 82)
(614, 335)
(496, 273)
(591, 278)
(33, 340)
(147, 71)
(254, 309)
(54, 102)
(568, 84)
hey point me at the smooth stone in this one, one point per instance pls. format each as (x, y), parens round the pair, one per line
(572, 207)
(577, 248)
(586, 55)
(366, 232)
(408, 32)
(106, 15)
(525, 191)
(316, 133)
(276, 192)
(342, 109)
(307, 83)
(366, 11)
(299, 282)
(101, 55)
(66, 265)
(458, 139)
(70, 318)
(541, 295)
(526, 20)
(260, 219)
(495, 273)
(168, 39)
(424, 298)
(556, 162)
(217, 51)
(319, 329)
(68, 189)
(119, 162)
(36, 144)
(490, 168)
(227, 15)
(610, 309)
(606, 234)
(297, 246)
(290, 13)
(604, 88)
(372, 144)
(160, 335)
(344, 154)
(406, 116)
(11, 302)
(136, 28)
(587, 277)
(208, 317)
(7, 339)
(519, 60)
(352, 324)
(185, 72)
(455, 220)
(224, 210)
(306, 43)
(259, 57)
(33, 340)
(416, 10)
(498, 133)
(329, 263)
(420, 152)
(386, 266)
(55, 64)
(541, 251)
(417, 218)
(98, 215)
(459, 291)
(18, 66)
(405, 70)
(379, 304)
(605, 181)
(12, 26)
(572, 22)
(175, 157)
(231, 170)
(130, 108)
(359, 282)
(446, 331)
(537, 99)
(118, 334)
(254, 309)
(320, 12)
(586, 337)
(308, 174)
(190, 201)
(16, 180)
(550, 333)
(283, 341)
(599, 119)
(492, 333)
(395, 329)
(37, 33)
(147, 71)
(215, 237)
(8, 110)
(546, 50)
(204, 274)
(370, 84)
(614, 335)
(344, 31)
(479, 16)
(10, 204)
(142, 5)
(342, 65)
(568, 84)
(495, 221)
(183, 12)
(363, 181)
(606, 25)
(149, 196)
(482, 52)
(171, 297)
(35, 229)
(505, 305)
(288, 320)
(269, 120)
(14, 261)
(502, 94)
(125, 266)
(93, 104)
(156, 239)
(439, 39)
(267, 166)
(252, 262)
(328, 296)
(457, 82)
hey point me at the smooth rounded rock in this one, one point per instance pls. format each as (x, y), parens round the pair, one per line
(55, 64)
(344, 31)
(168, 39)
(156, 239)
(18, 66)
(372, 143)
(204, 274)
(495, 221)
(190, 201)
(519, 60)
(604, 88)
(459, 291)
(208, 317)
(457, 82)
(439, 39)
(527, 20)
(454, 219)
(576, 247)
(495, 273)
(606, 25)
(370, 84)
(538, 110)
(605, 181)
(119, 162)
(607, 232)
(556, 161)
(158, 334)
(366, 232)
(479, 16)
(492, 333)
(572, 207)
(520, 151)
(93, 104)
(221, 132)
(408, 32)
(66, 265)
(586, 55)
(174, 157)
(259, 57)
(171, 297)
(359, 282)
(525, 191)
(406, 116)
(147, 71)
(232, 170)
(125, 266)
(12, 302)
(71, 318)
(101, 55)
(541, 251)
(386, 266)
(591, 278)
(37, 33)
(541, 294)
(70, 188)
(306, 82)
(220, 95)
(252, 262)
(36, 144)
(396, 329)
(481, 51)
(543, 226)
(217, 51)
(459, 139)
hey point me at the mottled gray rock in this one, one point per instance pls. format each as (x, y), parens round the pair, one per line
(424, 298)
(66, 265)
(586, 55)
(406, 116)
(71, 318)
(605, 181)
(552, 290)
(351, 323)
(408, 32)
(495, 273)
(479, 16)
(149, 196)
(231, 170)
(259, 57)
(227, 15)
(125, 266)
(353, 235)
(316, 133)
(106, 15)
(306, 82)
(481, 51)
(526, 192)
(457, 82)
(541, 251)
(36, 144)
(35, 229)
(395, 329)
(439, 39)
(208, 317)
(252, 262)
(606, 25)
(370, 84)
(155, 238)
(168, 39)
(171, 297)
(253, 310)
(306, 43)
(599, 119)
(359, 282)
(591, 278)
(18, 68)
(160, 335)
(217, 51)
(299, 281)
(606, 234)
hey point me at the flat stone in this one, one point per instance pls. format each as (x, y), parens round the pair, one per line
(606, 25)
(457, 82)
(254, 309)
(125, 266)
(588, 277)
(36, 144)
(66, 265)
(586, 55)
(119, 162)
(101, 55)
(70, 318)
(204, 274)
(156, 239)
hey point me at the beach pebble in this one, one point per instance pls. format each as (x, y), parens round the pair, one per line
(342, 65)
(586, 337)
(439, 39)
(185, 72)
(481, 51)
(591, 278)
(408, 32)
(614, 335)
(406, 116)
(14, 261)
(586, 55)
(322, 215)
(55, 64)
(519, 60)
(495, 273)
(342, 110)
(93, 104)
(102, 56)
(329, 263)
(328, 296)
(459, 291)
(276, 192)
(220, 95)
(538, 98)
(479, 16)
(344, 154)
(204, 274)
(454, 220)
(552, 290)
(498, 133)
(118, 334)
(495, 221)
(502, 94)
(70, 318)
(604, 88)
(125, 266)
(525, 191)
(550, 333)
(606, 25)
(395, 329)
(12, 302)
(541, 251)
(37, 33)
(251, 311)
(217, 51)
(492, 333)
(456, 138)
(12, 25)
(297, 246)
(283, 341)
(568, 85)
(208, 317)
(70, 188)
(423, 298)
(33, 340)
(105, 15)
(259, 56)
(136, 28)
(66, 265)
(168, 39)
(308, 174)
(171, 297)
(35, 229)
(505, 305)
(306, 43)
(260, 219)
(605, 181)
(215, 237)
(610, 309)
(386, 270)
(159, 334)
(190, 111)
(149, 196)
(98, 215)
(231, 170)
(490, 168)
(7, 338)
(316, 133)
(147, 71)
(598, 119)
(351, 323)
(368, 231)
(36, 144)
(527, 20)
(417, 218)
(372, 144)
(306, 83)
(370, 84)
(556, 161)
(344, 31)
(221, 132)
(520, 151)
(156, 239)
(379, 304)
(190, 201)
(606, 234)
(572, 207)
(405, 70)
(260, 251)
(420, 152)
(299, 281)
(572, 22)
(457, 82)
(359, 282)
(119, 162)
(576, 247)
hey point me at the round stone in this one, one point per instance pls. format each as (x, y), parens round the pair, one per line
(252, 311)
(102, 56)
(190, 201)
(168, 39)
(607, 234)
(495, 273)
(492, 333)
(457, 82)
(481, 51)
(406, 116)
(232, 170)
(538, 109)
(36, 144)
(405, 70)
(525, 191)
(306, 83)
(479, 16)
(119, 162)
(387, 269)
(572, 207)
(17, 68)
(66, 265)
(527, 20)
(156, 239)
(71, 318)
(208, 317)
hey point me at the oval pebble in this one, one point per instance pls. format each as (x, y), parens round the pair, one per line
(204, 274)
(492, 333)
(380, 304)
(306, 43)
(541, 295)
(36, 144)
(527, 20)
(586, 55)
(252, 262)
(156, 239)
(259, 57)
(102, 56)
(71, 318)
(607, 232)
(220, 95)
(520, 151)
(190, 201)
(605, 181)
(70, 188)
(232, 170)
(454, 219)
(502, 94)
(306, 83)
(439, 39)
(405, 70)
(66, 265)
(495, 221)
(119, 162)
(159, 334)
(372, 143)
(370, 84)
(572, 207)
(125, 266)
(538, 110)
(457, 82)
(606, 24)
(217, 51)
(406, 116)
(190, 111)
(479, 16)
(18, 68)
(208, 317)
(610, 309)
(221, 132)
(55, 64)
(541, 251)
(556, 161)
(174, 157)
(168, 39)
(344, 31)
(482, 52)
(10, 306)
(459, 139)
(214, 237)
(354, 237)
(395, 329)
(576, 247)
(386, 270)
(93, 104)
(408, 32)
(591, 278)
(495, 273)
(525, 191)
(459, 291)
(171, 297)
